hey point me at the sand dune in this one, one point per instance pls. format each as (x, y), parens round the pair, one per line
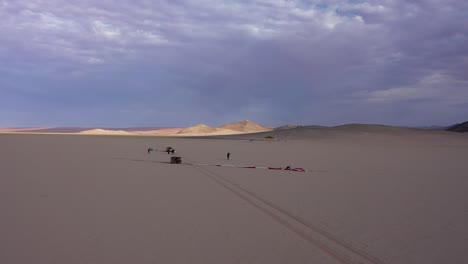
(198, 129)
(244, 129)
(245, 126)
(98, 131)
(21, 129)
(241, 127)
(161, 131)
(204, 130)
(462, 127)
(289, 126)
(217, 132)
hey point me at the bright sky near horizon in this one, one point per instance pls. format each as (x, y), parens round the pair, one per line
(182, 62)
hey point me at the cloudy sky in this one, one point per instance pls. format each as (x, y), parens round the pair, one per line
(181, 62)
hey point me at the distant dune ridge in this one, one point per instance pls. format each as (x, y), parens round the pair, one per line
(160, 131)
(462, 127)
(197, 129)
(289, 126)
(344, 131)
(20, 129)
(236, 128)
(245, 126)
(98, 131)
(241, 127)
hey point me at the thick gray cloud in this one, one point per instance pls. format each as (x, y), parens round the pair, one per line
(171, 63)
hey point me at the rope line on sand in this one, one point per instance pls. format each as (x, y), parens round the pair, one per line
(288, 168)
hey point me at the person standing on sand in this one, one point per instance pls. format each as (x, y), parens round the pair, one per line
(228, 155)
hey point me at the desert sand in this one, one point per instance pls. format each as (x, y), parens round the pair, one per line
(374, 195)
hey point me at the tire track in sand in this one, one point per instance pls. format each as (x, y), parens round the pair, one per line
(330, 244)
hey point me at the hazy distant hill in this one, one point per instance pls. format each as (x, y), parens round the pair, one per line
(369, 128)
(315, 132)
(462, 127)
(286, 127)
(433, 127)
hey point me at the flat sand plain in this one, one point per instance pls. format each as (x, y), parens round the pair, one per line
(371, 198)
